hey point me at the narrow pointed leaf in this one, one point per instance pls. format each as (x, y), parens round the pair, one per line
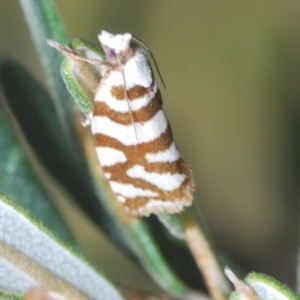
(32, 256)
(19, 181)
(82, 87)
(44, 23)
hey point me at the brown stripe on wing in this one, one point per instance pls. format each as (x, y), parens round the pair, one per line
(138, 207)
(118, 171)
(138, 91)
(136, 154)
(183, 194)
(180, 197)
(163, 142)
(134, 157)
(144, 114)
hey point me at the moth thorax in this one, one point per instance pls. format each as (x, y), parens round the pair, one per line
(114, 46)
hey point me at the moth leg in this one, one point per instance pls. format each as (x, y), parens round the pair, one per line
(87, 120)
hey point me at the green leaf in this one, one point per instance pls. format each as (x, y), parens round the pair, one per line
(44, 23)
(173, 224)
(31, 256)
(259, 287)
(18, 180)
(9, 296)
(269, 288)
(153, 261)
(82, 78)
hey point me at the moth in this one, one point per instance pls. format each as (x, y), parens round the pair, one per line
(132, 135)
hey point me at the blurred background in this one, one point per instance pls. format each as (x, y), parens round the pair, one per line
(232, 70)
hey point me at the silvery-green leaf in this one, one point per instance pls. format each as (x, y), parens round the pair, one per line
(258, 286)
(269, 288)
(31, 256)
(20, 182)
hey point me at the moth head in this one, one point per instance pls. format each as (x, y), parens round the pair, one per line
(114, 46)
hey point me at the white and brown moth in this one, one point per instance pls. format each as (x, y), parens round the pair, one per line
(132, 135)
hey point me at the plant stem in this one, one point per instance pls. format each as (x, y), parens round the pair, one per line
(206, 260)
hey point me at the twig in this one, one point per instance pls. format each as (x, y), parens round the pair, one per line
(206, 260)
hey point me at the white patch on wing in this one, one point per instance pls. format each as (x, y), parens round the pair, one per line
(127, 134)
(115, 78)
(130, 191)
(137, 70)
(110, 156)
(169, 155)
(164, 181)
(157, 206)
(167, 205)
(107, 175)
(121, 199)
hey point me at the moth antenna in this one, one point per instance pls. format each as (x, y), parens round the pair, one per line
(68, 52)
(153, 58)
(127, 100)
